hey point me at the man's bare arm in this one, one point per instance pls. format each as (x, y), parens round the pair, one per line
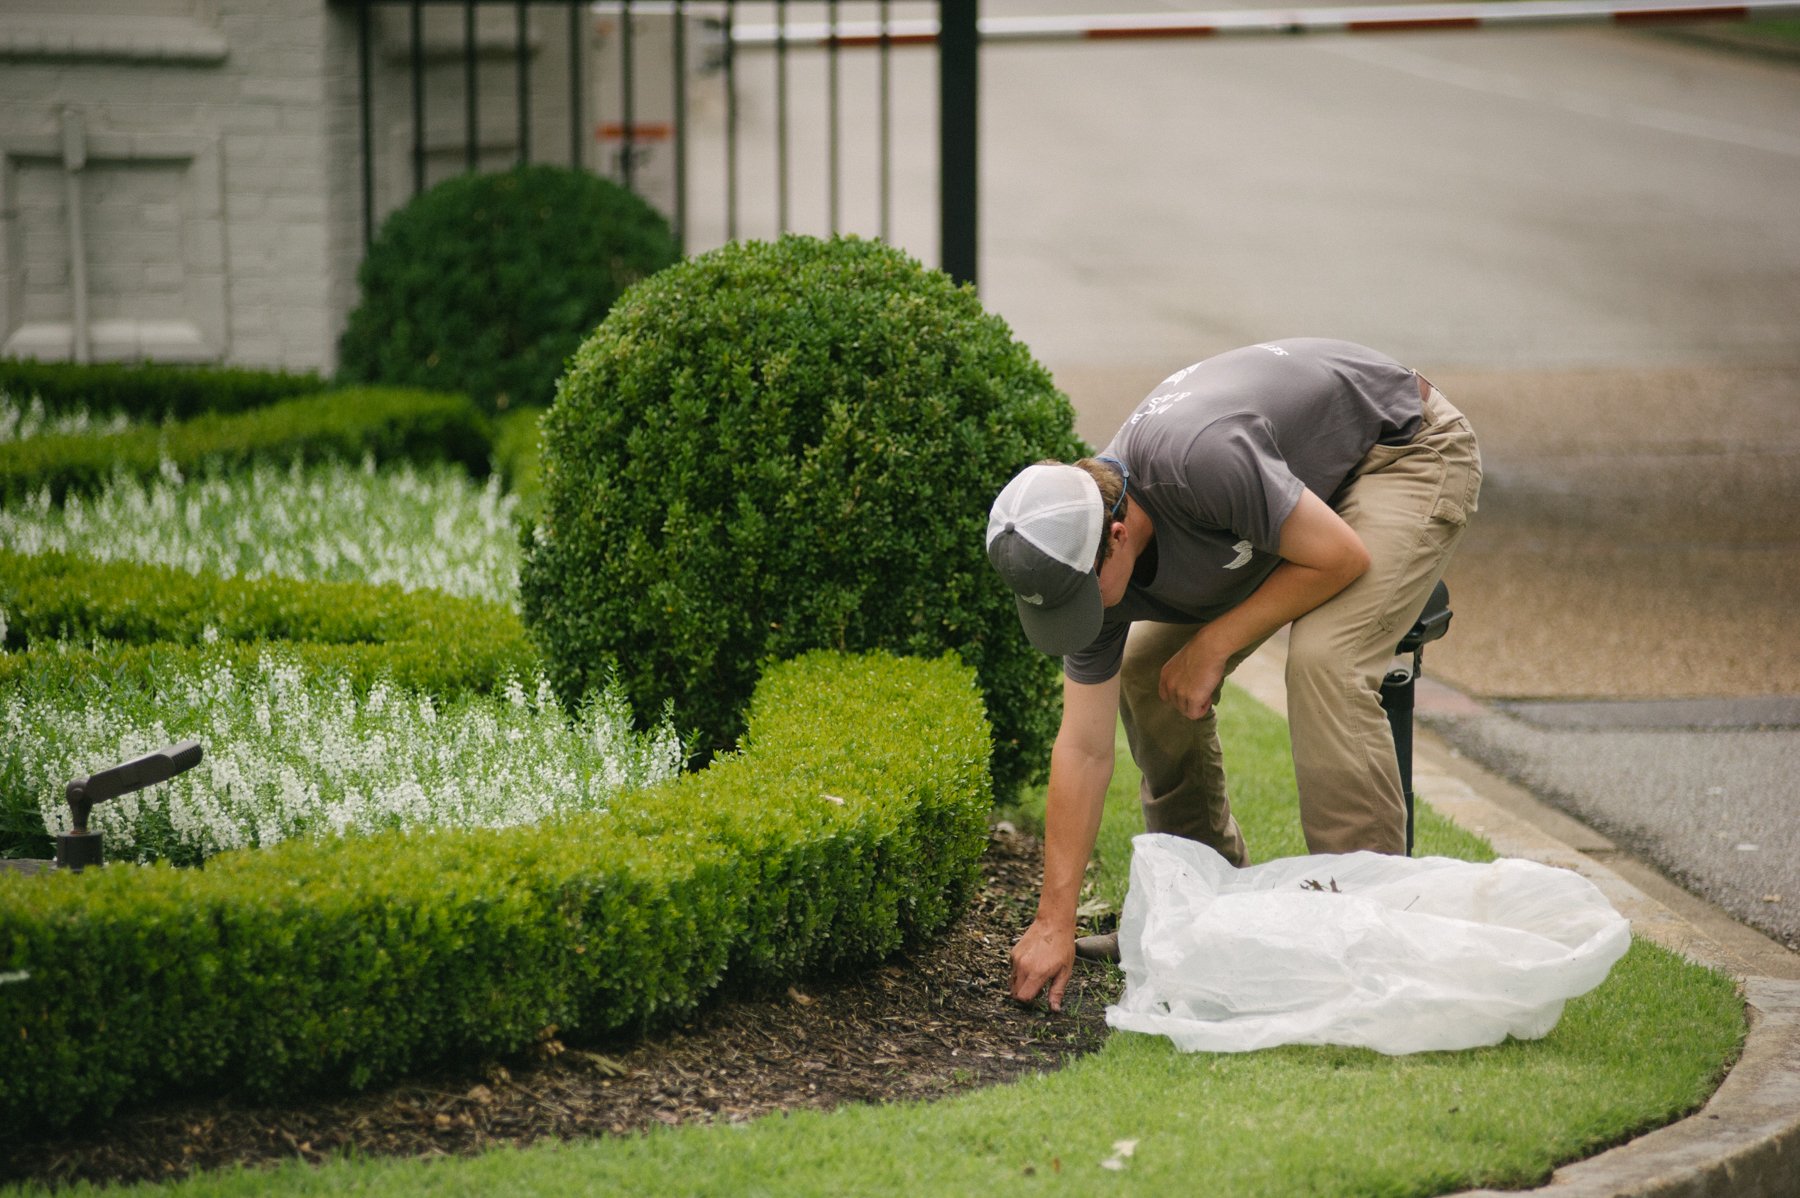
(1081, 766)
(1321, 555)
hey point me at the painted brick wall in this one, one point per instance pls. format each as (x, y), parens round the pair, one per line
(199, 134)
(197, 164)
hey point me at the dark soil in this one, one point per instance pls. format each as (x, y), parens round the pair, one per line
(934, 1020)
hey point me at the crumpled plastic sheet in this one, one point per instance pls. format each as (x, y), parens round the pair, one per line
(1397, 954)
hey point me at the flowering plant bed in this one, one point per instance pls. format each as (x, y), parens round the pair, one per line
(848, 825)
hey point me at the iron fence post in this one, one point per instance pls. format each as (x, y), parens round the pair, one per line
(577, 94)
(959, 45)
(366, 121)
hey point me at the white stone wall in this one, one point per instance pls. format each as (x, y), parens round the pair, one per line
(162, 172)
(186, 175)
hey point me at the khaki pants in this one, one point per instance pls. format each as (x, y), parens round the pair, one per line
(1410, 504)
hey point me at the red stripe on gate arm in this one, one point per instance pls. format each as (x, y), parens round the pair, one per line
(1661, 16)
(640, 131)
(1412, 24)
(1149, 31)
(893, 39)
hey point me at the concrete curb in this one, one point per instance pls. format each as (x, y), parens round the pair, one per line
(1745, 1142)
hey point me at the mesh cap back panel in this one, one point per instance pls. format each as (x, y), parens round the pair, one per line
(1054, 507)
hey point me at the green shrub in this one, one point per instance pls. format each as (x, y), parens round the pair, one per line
(486, 283)
(777, 447)
(148, 391)
(387, 423)
(851, 823)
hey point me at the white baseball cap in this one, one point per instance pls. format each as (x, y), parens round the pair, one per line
(1043, 535)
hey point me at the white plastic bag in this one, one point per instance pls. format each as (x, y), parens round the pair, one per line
(1396, 954)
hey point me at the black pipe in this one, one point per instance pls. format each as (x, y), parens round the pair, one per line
(418, 90)
(471, 117)
(363, 18)
(731, 128)
(886, 88)
(628, 110)
(959, 44)
(1397, 701)
(1399, 683)
(831, 67)
(522, 60)
(781, 117)
(576, 107)
(680, 127)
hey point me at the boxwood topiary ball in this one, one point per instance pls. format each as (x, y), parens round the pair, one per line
(485, 284)
(783, 446)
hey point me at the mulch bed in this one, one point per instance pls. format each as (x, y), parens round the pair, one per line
(934, 1020)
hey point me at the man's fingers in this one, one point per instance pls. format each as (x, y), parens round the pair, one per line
(1026, 981)
(1057, 987)
(1043, 955)
(1171, 694)
(1027, 984)
(1193, 709)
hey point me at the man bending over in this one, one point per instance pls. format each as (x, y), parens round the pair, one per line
(1307, 481)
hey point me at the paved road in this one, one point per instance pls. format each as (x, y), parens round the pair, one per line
(1586, 236)
(1500, 201)
(1700, 790)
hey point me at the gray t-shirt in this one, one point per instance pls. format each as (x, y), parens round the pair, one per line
(1218, 454)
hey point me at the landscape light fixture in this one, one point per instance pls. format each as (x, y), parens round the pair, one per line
(79, 848)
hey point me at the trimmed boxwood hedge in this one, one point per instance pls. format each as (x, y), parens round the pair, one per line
(850, 822)
(149, 391)
(75, 622)
(418, 663)
(388, 422)
(775, 447)
(64, 596)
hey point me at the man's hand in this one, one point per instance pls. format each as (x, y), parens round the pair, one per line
(1320, 556)
(1045, 954)
(1192, 677)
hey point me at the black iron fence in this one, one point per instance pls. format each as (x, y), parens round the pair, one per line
(542, 49)
(406, 47)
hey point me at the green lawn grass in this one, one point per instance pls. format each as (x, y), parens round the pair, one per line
(1646, 1047)
(1785, 29)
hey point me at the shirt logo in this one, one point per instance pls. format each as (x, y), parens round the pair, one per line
(1156, 405)
(1242, 549)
